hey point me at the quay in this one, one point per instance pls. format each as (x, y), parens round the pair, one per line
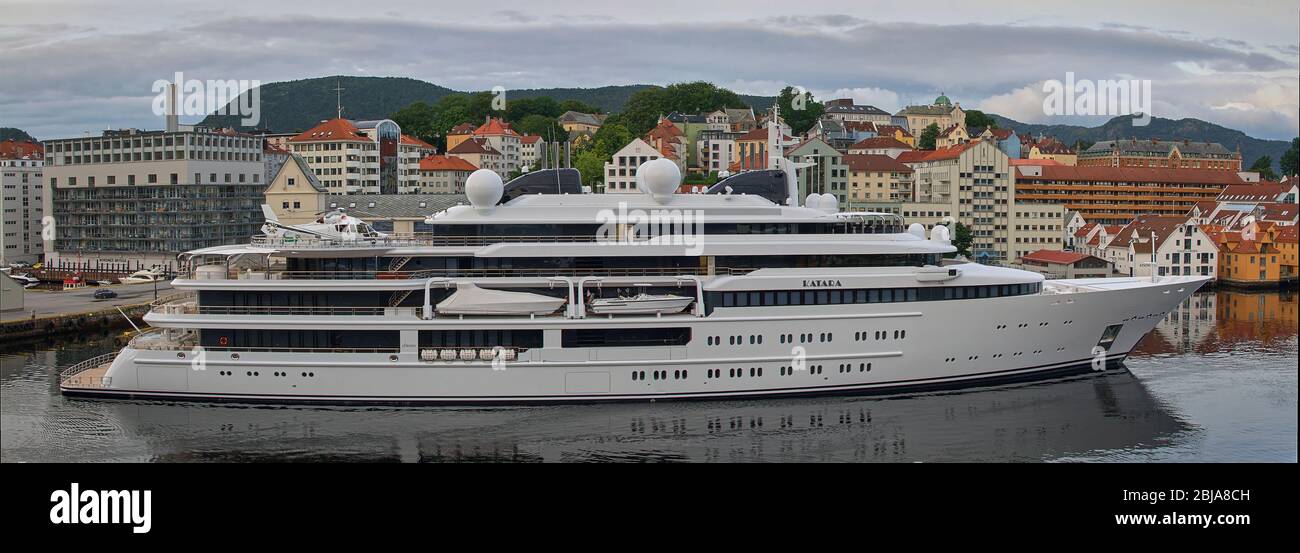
(48, 313)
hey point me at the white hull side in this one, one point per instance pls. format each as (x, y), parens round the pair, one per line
(940, 344)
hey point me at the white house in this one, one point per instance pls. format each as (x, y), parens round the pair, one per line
(1188, 250)
(620, 172)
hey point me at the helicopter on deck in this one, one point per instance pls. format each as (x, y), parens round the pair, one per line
(329, 225)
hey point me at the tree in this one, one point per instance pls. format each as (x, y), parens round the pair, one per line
(978, 119)
(1290, 161)
(642, 110)
(578, 106)
(1264, 166)
(962, 238)
(928, 137)
(592, 168)
(799, 110)
(546, 127)
(419, 120)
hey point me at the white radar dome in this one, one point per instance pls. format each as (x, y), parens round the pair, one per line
(484, 188)
(659, 178)
(917, 230)
(829, 203)
(940, 234)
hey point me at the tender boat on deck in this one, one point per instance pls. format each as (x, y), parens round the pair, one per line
(641, 304)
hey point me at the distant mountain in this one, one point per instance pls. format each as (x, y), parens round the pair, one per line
(17, 134)
(1194, 130)
(299, 105)
(609, 99)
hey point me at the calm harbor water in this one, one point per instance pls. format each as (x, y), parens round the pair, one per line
(1216, 381)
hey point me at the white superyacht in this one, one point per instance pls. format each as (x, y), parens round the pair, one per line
(540, 293)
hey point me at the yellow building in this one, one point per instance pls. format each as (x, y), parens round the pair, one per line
(1252, 257)
(897, 133)
(877, 178)
(458, 134)
(295, 195)
(1054, 151)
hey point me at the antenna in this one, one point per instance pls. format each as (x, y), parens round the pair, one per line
(338, 96)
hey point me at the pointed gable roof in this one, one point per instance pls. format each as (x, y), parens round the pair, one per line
(474, 146)
(1139, 232)
(495, 127)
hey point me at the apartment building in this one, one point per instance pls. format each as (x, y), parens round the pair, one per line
(132, 198)
(972, 183)
(444, 174)
(877, 179)
(620, 172)
(1167, 154)
(844, 109)
(22, 192)
(362, 156)
(824, 172)
(717, 150)
(532, 152)
(1118, 195)
(480, 154)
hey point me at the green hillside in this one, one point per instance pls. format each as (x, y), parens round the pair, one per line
(17, 134)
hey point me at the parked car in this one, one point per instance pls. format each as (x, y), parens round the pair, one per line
(105, 294)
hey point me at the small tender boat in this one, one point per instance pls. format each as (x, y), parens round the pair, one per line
(143, 276)
(640, 304)
(472, 300)
(27, 281)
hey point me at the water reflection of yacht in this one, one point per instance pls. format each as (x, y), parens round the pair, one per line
(1068, 417)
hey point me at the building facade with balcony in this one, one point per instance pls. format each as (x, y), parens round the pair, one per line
(131, 199)
(22, 209)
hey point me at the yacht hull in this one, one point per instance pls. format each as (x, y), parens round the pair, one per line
(733, 353)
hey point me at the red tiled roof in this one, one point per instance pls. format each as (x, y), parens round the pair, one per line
(1134, 174)
(1055, 256)
(463, 128)
(1278, 211)
(917, 156)
(334, 129)
(875, 162)
(413, 141)
(1033, 162)
(1287, 234)
(474, 146)
(446, 163)
(495, 127)
(529, 138)
(1084, 230)
(880, 142)
(26, 149)
(1262, 191)
(270, 148)
(759, 134)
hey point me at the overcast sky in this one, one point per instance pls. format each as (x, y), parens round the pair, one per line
(71, 66)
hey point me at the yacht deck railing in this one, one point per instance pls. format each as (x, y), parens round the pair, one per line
(85, 373)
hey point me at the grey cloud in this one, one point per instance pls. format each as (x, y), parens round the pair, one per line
(969, 61)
